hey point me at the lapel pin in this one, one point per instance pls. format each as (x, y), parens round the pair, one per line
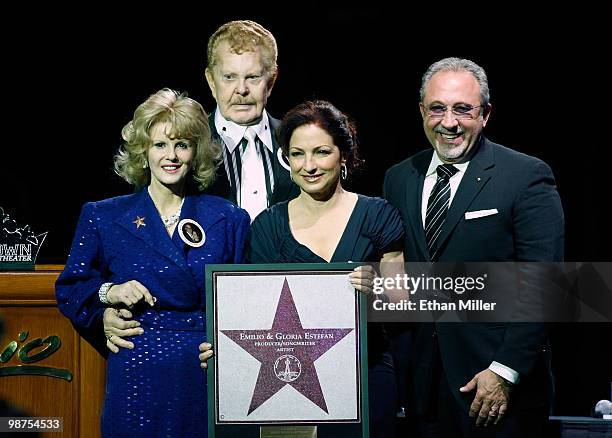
(478, 179)
(191, 233)
(139, 221)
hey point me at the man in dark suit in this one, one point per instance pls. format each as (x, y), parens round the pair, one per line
(241, 73)
(471, 200)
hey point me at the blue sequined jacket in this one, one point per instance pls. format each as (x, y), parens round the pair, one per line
(109, 246)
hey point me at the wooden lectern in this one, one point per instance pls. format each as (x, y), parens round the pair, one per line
(46, 368)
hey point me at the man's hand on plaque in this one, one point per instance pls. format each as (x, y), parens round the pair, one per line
(206, 352)
(362, 278)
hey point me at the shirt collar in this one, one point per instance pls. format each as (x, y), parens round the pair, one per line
(435, 162)
(231, 133)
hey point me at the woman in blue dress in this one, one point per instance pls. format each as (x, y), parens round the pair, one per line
(327, 223)
(135, 253)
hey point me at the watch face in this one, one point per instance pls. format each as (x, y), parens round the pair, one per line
(191, 233)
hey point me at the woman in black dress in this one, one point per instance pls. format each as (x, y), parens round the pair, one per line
(326, 223)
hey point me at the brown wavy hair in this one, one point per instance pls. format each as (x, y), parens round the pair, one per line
(326, 116)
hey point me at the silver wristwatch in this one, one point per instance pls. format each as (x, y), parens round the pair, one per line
(103, 291)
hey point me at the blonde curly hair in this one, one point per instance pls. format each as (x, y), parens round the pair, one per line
(245, 36)
(188, 120)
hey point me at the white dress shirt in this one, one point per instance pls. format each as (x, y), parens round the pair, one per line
(253, 196)
(430, 180)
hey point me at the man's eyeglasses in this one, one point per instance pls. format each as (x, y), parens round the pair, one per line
(460, 111)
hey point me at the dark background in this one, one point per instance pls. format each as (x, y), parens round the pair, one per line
(72, 78)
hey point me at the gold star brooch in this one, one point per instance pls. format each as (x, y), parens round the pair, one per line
(139, 221)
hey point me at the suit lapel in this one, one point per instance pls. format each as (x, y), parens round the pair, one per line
(414, 198)
(221, 186)
(153, 232)
(477, 175)
(282, 180)
(283, 185)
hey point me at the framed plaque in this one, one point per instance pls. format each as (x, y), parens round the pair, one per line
(290, 351)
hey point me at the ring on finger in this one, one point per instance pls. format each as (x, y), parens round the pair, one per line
(109, 337)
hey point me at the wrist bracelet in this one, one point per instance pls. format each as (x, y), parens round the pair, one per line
(103, 291)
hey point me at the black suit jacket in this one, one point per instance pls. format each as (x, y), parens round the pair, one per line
(284, 188)
(528, 227)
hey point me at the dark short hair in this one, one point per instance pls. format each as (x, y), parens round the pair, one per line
(327, 117)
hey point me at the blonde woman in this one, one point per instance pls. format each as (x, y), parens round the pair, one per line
(130, 255)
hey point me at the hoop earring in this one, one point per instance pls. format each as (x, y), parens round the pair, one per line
(343, 171)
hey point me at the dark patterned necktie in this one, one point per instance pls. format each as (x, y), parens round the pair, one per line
(437, 207)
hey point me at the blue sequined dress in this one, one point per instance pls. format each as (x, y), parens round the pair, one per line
(157, 389)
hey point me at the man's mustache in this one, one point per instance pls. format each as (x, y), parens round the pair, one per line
(242, 102)
(442, 130)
